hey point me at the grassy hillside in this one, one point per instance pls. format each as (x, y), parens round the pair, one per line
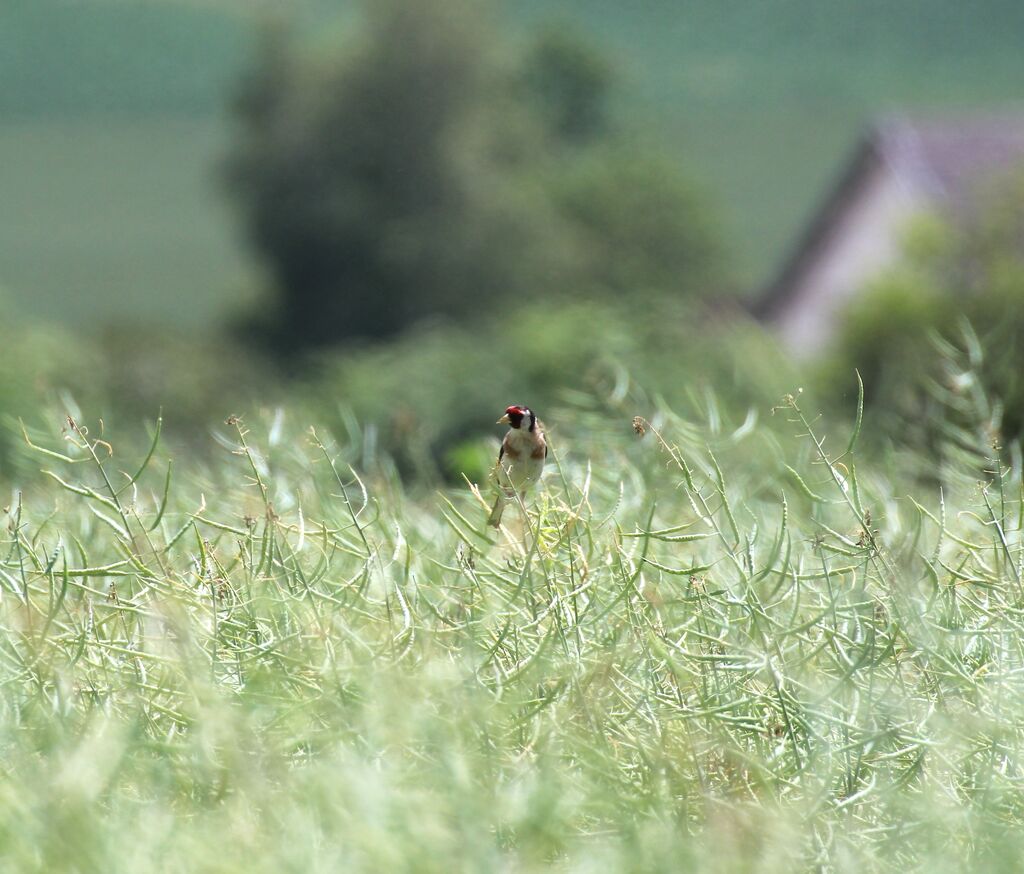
(62, 58)
(741, 51)
(707, 644)
(117, 220)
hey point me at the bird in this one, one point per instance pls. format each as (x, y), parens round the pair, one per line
(521, 458)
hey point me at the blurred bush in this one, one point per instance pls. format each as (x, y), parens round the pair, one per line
(123, 378)
(198, 381)
(424, 168)
(972, 270)
(429, 398)
(569, 81)
(434, 394)
(642, 228)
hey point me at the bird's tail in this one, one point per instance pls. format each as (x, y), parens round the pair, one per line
(494, 519)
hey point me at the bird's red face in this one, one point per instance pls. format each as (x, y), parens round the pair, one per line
(514, 416)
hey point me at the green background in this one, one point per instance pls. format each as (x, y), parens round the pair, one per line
(114, 123)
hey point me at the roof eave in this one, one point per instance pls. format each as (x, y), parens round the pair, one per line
(865, 157)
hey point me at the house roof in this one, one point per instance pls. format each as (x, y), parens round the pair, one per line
(949, 158)
(941, 161)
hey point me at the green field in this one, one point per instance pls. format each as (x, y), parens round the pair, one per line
(117, 219)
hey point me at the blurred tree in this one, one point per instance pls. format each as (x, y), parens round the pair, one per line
(571, 82)
(641, 226)
(421, 173)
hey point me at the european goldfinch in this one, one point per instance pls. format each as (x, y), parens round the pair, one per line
(520, 460)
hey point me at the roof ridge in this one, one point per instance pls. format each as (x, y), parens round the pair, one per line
(900, 146)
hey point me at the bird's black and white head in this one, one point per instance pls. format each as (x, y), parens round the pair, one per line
(519, 417)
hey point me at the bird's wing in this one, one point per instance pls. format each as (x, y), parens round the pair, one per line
(499, 468)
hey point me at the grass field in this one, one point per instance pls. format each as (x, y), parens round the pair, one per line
(705, 645)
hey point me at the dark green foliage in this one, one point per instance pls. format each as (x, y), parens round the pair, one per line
(571, 81)
(419, 174)
(640, 225)
(379, 189)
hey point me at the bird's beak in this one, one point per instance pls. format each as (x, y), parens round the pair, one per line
(504, 420)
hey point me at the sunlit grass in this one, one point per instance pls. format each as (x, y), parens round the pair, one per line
(705, 645)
